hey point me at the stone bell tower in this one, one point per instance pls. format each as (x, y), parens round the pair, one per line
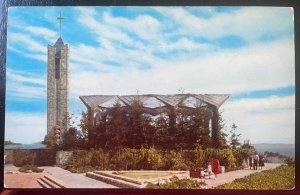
(57, 85)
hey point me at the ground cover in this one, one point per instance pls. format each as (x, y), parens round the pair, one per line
(280, 178)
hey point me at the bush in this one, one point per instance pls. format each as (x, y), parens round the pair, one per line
(100, 159)
(79, 158)
(33, 168)
(289, 161)
(174, 161)
(149, 159)
(176, 183)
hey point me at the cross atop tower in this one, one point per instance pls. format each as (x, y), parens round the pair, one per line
(60, 18)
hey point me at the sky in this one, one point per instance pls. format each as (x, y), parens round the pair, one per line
(246, 52)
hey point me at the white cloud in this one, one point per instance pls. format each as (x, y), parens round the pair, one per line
(248, 22)
(249, 69)
(25, 128)
(145, 26)
(268, 120)
(25, 86)
(25, 40)
(42, 32)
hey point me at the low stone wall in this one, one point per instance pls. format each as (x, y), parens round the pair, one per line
(62, 157)
(20, 157)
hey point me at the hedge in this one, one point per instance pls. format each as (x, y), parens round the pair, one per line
(149, 159)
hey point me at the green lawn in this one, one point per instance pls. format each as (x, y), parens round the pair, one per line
(280, 178)
(145, 175)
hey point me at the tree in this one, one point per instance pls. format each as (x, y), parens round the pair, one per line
(116, 128)
(222, 136)
(50, 141)
(71, 139)
(234, 137)
(84, 129)
(162, 138)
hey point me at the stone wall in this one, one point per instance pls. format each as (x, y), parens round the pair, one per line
(62, 157)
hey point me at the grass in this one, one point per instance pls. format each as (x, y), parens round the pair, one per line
(145, 175)
(280, 178)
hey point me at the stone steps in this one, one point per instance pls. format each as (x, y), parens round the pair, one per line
(112, 180)
(119, 177)
(50, 182)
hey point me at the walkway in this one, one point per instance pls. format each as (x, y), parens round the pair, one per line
(232, 175)
(79, 180)
(74, 180)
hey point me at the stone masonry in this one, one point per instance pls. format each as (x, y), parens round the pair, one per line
(57, 86)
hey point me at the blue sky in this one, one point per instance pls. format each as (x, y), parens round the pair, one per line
(247, 52)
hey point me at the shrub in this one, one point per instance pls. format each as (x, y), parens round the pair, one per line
(100, 159)
(174, 161)
(79, 158)
(176, 183)
(289, 161)
(200, 157)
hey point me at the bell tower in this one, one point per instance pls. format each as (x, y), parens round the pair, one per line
(57, 85)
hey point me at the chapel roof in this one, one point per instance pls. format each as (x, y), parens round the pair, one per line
(153, 101)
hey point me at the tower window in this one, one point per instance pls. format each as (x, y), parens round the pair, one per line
(57, 68)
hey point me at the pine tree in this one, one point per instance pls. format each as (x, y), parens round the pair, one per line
(234, 137)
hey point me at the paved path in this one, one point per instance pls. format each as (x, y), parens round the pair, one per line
(75, 180)
(79, 180)
(232, 175)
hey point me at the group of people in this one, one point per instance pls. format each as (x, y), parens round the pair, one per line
(213, 167)
(256, 161)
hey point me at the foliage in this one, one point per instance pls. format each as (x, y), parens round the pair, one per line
(176, 183)
(33, 168)
(280, 178)
(221, 136)
(234, 137)
(78, 159)
(50, 141)
(99, 159)
(290, 161)
(243, 153)
(151, 159)
(70, 139)
(200, 157)
(173, 161)
(118, 128)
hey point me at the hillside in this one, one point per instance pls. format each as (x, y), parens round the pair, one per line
(284, 149)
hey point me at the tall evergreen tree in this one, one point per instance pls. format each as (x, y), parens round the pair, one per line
(234, 137)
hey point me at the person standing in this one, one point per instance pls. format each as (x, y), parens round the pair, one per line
(215, 166)
(261, 161)
(250, 161)
(209, 169)
(255, 160)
